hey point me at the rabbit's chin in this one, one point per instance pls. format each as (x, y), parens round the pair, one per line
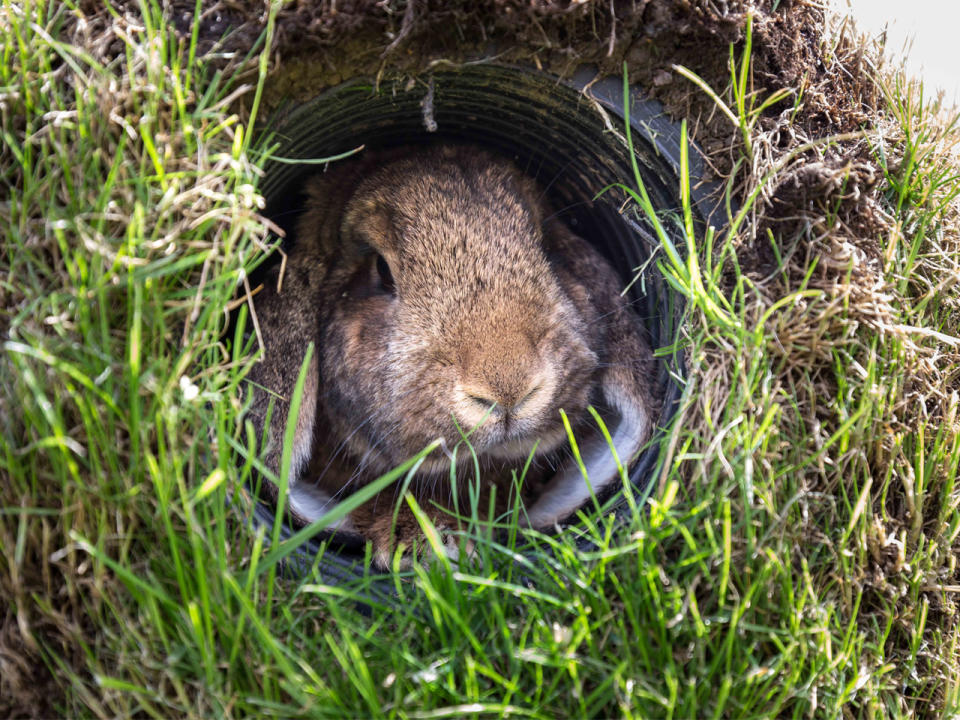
(519, 449)
(516, 451)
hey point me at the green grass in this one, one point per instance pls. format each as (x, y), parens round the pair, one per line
(797, 557)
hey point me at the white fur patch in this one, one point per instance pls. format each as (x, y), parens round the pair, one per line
(311, 503)
(569, 491)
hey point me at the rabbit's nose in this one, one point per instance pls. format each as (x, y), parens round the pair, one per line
(484, 403)
(503, 376)
(502, 403)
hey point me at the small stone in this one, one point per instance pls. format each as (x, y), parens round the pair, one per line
(662, 77)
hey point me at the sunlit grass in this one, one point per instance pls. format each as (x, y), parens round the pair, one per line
(797, 556)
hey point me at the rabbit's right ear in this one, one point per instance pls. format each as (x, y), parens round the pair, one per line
(369, 224)
(327, 196)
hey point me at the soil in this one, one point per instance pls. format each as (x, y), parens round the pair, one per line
(320, 43)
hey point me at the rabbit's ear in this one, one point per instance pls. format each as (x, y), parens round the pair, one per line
(288, 325)
(327, 196)
(369, 225)
(532, 197)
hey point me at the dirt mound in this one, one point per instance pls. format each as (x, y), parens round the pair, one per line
(320, 44)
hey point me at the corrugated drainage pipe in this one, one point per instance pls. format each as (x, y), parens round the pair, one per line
(568, 134)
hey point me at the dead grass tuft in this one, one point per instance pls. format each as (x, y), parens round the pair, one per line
(839, 264)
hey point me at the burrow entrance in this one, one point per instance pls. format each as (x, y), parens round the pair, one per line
(567, 134)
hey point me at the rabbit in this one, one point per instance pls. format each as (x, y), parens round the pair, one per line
(443, 297)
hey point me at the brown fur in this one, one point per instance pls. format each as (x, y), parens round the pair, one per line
(495, 313)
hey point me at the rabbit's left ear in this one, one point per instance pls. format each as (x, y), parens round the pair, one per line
(533, 200)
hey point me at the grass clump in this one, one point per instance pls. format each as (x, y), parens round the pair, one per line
(797, 557)
(129, 215)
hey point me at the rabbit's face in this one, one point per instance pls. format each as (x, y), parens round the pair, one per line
(448, 319)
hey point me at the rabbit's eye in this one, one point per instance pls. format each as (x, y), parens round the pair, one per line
(386, 277)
